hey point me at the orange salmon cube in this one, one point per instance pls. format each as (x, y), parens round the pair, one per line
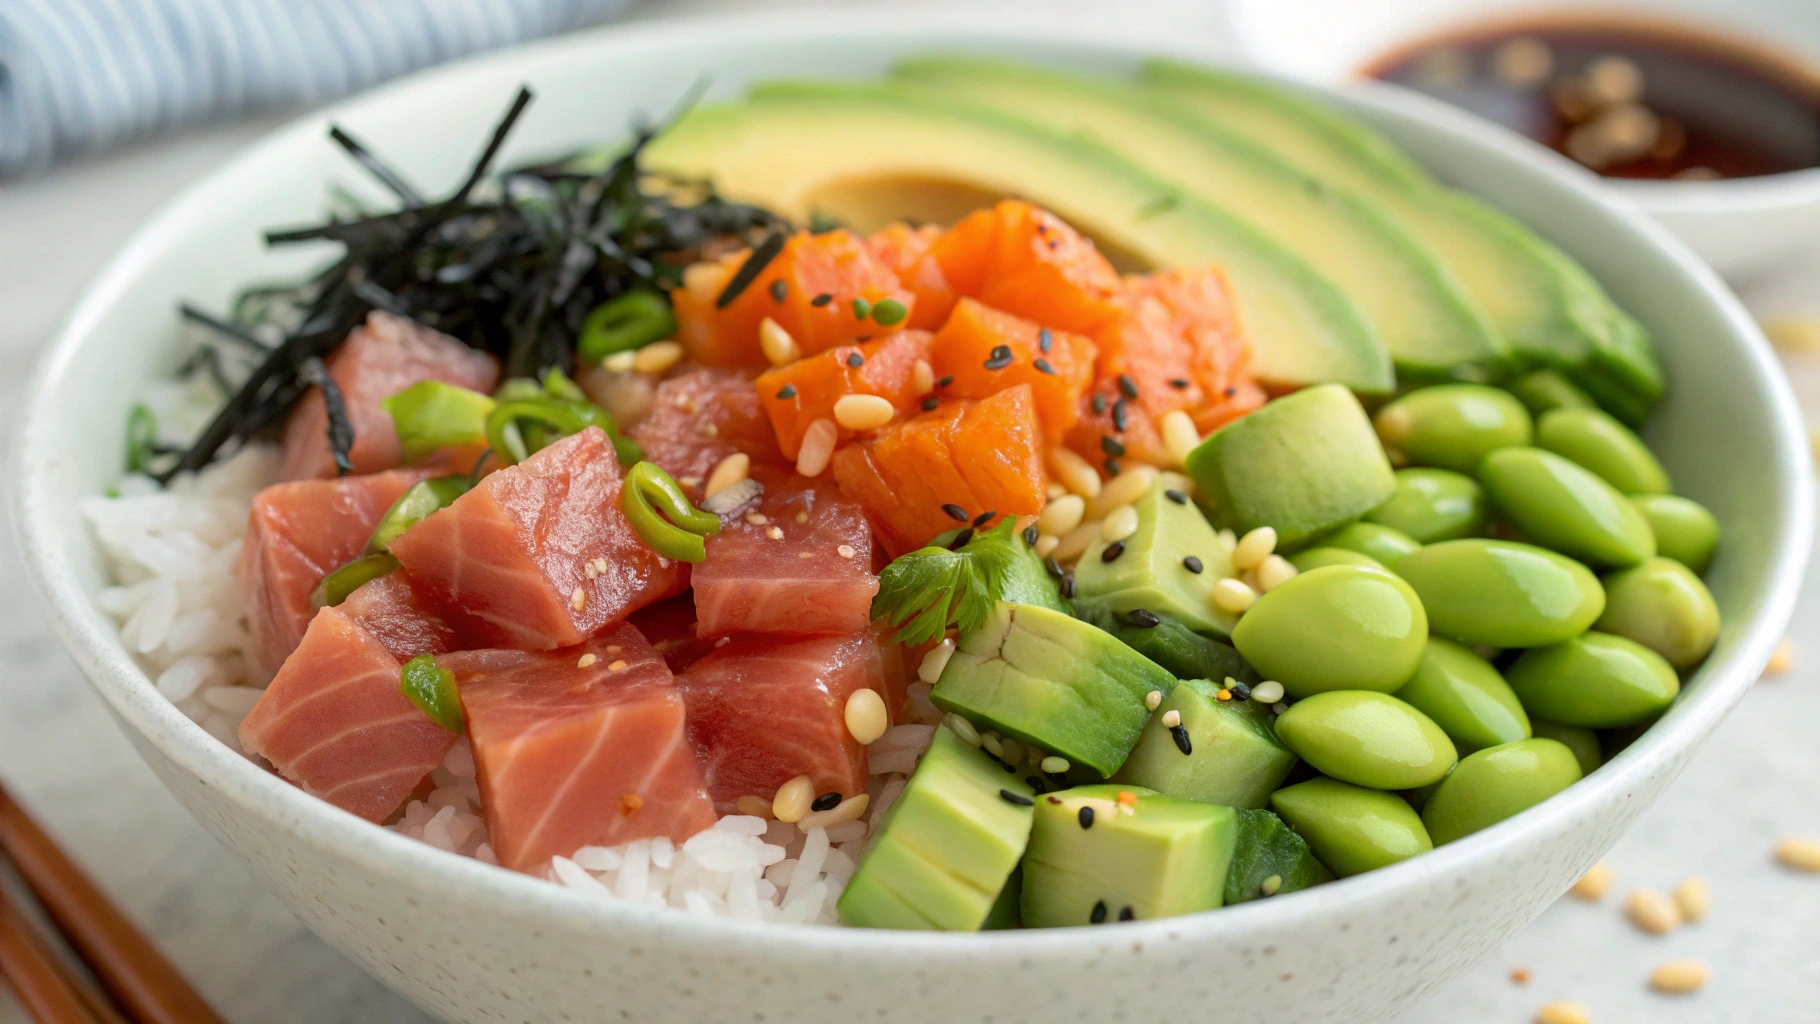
(802, 392)
(905, 250)
(981, 351)
(1029, 262)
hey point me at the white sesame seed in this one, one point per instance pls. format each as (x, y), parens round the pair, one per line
(1267, 692)
(587, 659)
(817, 448)
(578, 599)
(805, 554)
(845, 551)
(705, 280)
(1800, 854)
(1254, 547)
(1271, 886)
(620, 362)
(727, 472)
(1123, 489)
(756, 806)
(1172, 718)
(1233, 596)
(863, 412)
(962, 728)
(1652, 911)
(1054, 490)
(1119, 524)
(1561, 1012)
(1593, 885)
(657, 357)
(757, 518)
(922, 377)
(1152, 699)
(779, 347)
(865, 716)
(1693, 898)
(1273, 572)
(1061, 515)
(1075, 542)
(801, 518)
(932, 664)
(616, 665)
(1782, 660)
(1279, 707)
(1179, 436)
(1074, 472)
(793, 799)
(1054, 765)
(774, 533)
(1679, 977)
(1046, 545)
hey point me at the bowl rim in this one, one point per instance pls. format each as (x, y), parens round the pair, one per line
(92, 639)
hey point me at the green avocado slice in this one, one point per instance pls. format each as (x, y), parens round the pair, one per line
(868, 154)
(1152, 570)
(1220, 752)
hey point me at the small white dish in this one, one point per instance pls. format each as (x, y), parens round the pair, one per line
(1741, 226)
(474, 943)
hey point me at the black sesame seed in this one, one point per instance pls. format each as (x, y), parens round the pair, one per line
(1127, 386)
(1042, 366)
(1113, 551)
(821, 300)
(1121, 418)
(945, 381)
(1127, 914)
(1086, 820)
(1044, 339)
(1182, 742)
(1098, 403)
(1111, 446)
(955, 512)
(826, 802)
(961, 539)
(1143, 618)
(985, 517)
(1176, 496)
(1068, 584)
(1180, 383)
(1099, 913)
(1112, 467)
(1193, 564)
(855, 359)
(1042, 228)
(787, 391)
(1010, 769)
(1054, 567)
(999, 358)
(780, 290)
(1015, 798)
(1230, 391)
(1030, 536)
(931, 404)
(1241, 692)
(1037, 783)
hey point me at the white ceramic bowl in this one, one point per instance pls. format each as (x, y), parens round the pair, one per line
(1741, 226)
(474, 943)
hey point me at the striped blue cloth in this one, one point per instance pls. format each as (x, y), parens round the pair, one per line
(81, 75)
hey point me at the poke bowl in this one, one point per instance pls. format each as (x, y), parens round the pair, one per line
(1288, 339)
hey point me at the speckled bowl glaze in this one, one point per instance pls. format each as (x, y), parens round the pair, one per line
(474, 943)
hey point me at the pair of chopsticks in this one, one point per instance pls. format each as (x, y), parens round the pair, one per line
(142, 986)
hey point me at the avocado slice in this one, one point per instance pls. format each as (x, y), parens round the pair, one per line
(872, 153)
(1051, 680)
(1183, 652)
(945, 849)
(1151, 569)
(1431, 326)
(1222, 752)
(1549, 308)
(1304, 464)
(1267, 849)
(1095, 859)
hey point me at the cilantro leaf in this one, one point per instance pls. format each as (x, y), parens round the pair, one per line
(925, 592)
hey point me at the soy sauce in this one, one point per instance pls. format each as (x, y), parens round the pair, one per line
(1628, 96)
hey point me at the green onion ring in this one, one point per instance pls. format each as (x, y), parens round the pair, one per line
(432, 689)
(633, 320)
(510, 444)
(679, 531)
(336, 586)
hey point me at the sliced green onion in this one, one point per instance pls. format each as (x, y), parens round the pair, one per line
(506, 426)
(336, 586)
(887, 312)
(557, 385)
(628, 450)
(432, 689)
(679, 530)
(519, 389)
(141, 439)
(633, 320)
(861, 309)
(432, 415)
(418, 501)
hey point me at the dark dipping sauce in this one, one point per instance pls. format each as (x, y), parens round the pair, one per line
(1628, 96)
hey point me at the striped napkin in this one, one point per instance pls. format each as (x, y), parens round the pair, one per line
(81, 75)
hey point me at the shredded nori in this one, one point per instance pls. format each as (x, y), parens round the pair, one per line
(513, 272)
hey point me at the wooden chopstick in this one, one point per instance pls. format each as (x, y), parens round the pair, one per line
(32, 970)
(147, 987)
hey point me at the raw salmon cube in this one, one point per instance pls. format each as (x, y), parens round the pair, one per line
(538, 555)
(765, 709)
(297, 533)
(821, 276)
(579, 747)
(401, 618)
(905, 250)
(981, 351)
(379, 359)
(1029, 262)
(334, 722)
(699, 418)
(802, 392)
(799, 560)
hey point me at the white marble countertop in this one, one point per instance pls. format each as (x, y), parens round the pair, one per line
(1754, 782)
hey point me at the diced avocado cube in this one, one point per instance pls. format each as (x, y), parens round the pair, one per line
(1100, 854)
(1052, 680)
(1221, 752)
(1304, 464)
(945, 848)
(1169, 566)
(1267, 849)
(1171, 644)
(1004, 915)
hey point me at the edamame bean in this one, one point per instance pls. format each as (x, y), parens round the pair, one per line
(1582, 741)
(1600, 443)
(1385, 545)
(1544, 390)
(1503, 594)
(1351, 829)
(1344, 627)
(1465, 696)
(1662, 605)
(1433, 505)
(1452, 425)
(1596, 680)
(1565, 507)
(1316, 558)
(1685, 531)
(1488, 786)
(1368, 739)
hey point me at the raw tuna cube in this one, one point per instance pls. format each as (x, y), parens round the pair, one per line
(538, 555)
(765, 709)
(579, 747)
(298, 533)
(799, 561)
(334, 722)
(401, 618)
(701, 417)
(380, 358)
